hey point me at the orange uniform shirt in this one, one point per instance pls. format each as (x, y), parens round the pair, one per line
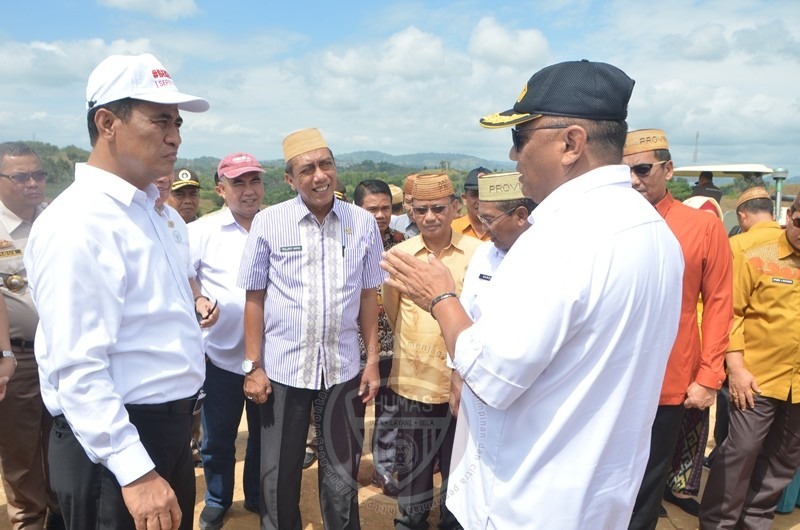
(707, 273)
(463, 225)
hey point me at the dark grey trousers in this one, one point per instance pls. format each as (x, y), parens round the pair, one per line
(338, 417)
(755, 463)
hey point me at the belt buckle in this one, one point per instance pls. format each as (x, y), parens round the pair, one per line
(198, 404)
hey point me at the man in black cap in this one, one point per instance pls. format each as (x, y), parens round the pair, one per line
(184, 195)
(704, 187)
(471, 224)
(569, 386)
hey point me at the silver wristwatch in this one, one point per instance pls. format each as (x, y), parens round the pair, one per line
(7, 353)
(249, 366)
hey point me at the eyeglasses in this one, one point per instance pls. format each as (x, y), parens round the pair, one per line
(520, 136)
(23, 178)
(490, 222)
(437, 209)
(643, 170)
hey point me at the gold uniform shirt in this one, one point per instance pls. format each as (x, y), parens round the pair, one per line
(766, 305)
(419, 368)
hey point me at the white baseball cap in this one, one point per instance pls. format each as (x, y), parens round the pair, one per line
(139, 77)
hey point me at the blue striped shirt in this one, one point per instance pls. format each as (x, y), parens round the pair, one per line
(313, 275)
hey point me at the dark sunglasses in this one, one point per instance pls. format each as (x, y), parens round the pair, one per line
(795, 220)
(437, 209)
(23, 178)
(520, 136)
(643, 170)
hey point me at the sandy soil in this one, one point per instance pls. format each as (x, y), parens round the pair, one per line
(377, 511)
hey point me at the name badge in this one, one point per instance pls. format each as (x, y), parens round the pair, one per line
(293, 248)
(10, 252)
(484, 277)
(782, 280)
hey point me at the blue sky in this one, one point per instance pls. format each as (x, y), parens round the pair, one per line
(405, 77)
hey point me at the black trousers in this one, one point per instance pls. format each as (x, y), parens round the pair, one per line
(90, 496)
(338, 417)
(663, 437)
(425, 435)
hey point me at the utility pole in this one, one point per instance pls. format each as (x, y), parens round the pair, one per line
(696, 144)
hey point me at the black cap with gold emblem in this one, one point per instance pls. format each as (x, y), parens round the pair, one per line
(185, 177)
(576, 89)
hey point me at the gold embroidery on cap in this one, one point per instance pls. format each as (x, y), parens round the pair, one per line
(522, 94)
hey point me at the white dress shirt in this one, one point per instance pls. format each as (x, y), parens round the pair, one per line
(117, 322)
(216, 242)
(484, 263)
(562, 372)
(179, 232)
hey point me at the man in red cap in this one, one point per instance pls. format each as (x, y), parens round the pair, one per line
(216, 242)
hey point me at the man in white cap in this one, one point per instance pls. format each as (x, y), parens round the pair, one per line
(216, 242)
(567, 384)
(310, 271)
(120, 370)
(504, 211)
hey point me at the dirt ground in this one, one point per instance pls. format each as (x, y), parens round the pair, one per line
(377, 511)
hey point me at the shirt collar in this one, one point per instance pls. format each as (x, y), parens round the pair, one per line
(115, 186)
(663, 206)
(301, 210)
(561, 197)
(12, 221)
(456, 240)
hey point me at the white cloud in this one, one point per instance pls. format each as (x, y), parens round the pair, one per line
(419, 81)
(498, 45)
(163, 9)
(706, 42)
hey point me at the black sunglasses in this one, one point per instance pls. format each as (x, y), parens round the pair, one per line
(643, 170)
(795, 220)
(23, 178)
(520, 136)
(437, 209)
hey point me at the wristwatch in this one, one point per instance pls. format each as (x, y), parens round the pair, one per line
(249, 366)
(6, 353)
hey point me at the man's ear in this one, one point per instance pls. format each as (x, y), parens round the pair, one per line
(288, 178)
(105, 121)
(574, 144)
(668, 167)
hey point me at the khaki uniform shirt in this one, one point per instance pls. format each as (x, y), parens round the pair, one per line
(419, 369)
(22, 315)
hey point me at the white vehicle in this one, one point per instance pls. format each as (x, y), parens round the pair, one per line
(754, 173)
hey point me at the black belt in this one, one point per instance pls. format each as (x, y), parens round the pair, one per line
(192, 405)
(20, 343)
